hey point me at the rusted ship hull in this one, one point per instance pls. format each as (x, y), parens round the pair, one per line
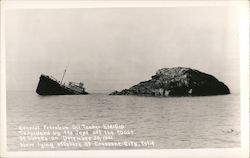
(48, 86)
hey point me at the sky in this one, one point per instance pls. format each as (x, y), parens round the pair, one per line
(115, 48)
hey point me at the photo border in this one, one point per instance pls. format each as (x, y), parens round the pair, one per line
(243, 151)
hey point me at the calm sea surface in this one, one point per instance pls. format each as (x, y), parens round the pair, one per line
(178, 122)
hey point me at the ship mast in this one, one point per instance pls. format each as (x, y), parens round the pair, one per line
(64, 73)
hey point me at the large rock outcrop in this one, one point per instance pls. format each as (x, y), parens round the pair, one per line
(177, 81)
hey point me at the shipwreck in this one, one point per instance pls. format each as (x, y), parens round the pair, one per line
(48, 85)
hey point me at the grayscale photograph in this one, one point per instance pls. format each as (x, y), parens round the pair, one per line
(128, 78)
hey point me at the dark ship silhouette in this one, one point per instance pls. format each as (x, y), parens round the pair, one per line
(48, 85)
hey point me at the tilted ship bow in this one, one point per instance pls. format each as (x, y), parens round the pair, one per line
(48, 85)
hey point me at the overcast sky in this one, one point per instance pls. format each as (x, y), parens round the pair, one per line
(114, 48)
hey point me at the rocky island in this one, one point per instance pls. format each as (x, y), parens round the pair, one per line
(177, 81)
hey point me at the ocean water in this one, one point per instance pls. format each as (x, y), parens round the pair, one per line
(171, 123)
